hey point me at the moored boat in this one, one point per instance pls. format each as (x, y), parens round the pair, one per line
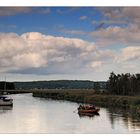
(6, 101)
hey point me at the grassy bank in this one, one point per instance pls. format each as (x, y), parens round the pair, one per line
(89, 96)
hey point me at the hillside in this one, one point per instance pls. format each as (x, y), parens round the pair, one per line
(58, 84)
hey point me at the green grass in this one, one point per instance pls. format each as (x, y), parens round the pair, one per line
(90, 96)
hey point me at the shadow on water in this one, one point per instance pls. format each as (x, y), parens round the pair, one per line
(5, 109)
(88, 115)
(129, 118)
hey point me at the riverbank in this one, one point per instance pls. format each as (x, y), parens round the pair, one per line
(91, 97)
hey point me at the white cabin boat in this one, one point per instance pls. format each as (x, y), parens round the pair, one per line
(6, 101)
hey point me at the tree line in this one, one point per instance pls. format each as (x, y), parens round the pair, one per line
(124, 84)
(54, 84)
(59, 84)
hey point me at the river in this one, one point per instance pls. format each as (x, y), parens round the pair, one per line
(38, 115)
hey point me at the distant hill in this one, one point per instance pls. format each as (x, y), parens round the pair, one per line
(59, 84)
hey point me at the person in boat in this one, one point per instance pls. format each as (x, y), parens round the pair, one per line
(91, 107)
(80, 107)
(86, 107)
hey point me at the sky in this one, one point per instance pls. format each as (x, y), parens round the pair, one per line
(75, 43)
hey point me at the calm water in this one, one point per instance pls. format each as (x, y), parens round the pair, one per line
(38, 115)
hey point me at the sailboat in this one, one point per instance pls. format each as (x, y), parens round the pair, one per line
(5, 92)
(5, 100)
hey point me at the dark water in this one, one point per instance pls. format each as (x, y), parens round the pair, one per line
(38, 115)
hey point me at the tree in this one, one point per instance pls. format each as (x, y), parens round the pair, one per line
(124, 84)
(96, 86)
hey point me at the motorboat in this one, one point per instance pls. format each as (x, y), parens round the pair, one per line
(6, 101)
(88, 109)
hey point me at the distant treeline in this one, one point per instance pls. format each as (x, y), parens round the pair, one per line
(7, 85)
(124, 84)
(59, 84)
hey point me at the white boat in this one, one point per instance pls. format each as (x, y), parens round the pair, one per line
(6, 101)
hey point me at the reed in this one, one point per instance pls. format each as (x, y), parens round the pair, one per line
(91, 97)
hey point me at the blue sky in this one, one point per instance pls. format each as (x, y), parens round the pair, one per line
(52, 21)
(56, 21)
(44, 43)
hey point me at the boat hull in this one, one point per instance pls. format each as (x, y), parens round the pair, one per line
(6, 103)
(88, 111)
(88, 114)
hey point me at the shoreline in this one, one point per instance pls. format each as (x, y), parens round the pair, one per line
(91, 97)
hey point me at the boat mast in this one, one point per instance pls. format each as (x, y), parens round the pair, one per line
(5, 84)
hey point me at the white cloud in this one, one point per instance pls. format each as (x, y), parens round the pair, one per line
(34, 50)
(129, 53)
(29, 60)
(73, 32)
(124, 13)
(117, 35)
(56, 55)
(83, 17)
(96, 64)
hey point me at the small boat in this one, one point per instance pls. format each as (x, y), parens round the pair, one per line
(6, 101)
(88, 109)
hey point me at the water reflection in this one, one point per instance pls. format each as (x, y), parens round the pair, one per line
(130, 119)
(39, 115)
(88, 115)
(4, 109)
